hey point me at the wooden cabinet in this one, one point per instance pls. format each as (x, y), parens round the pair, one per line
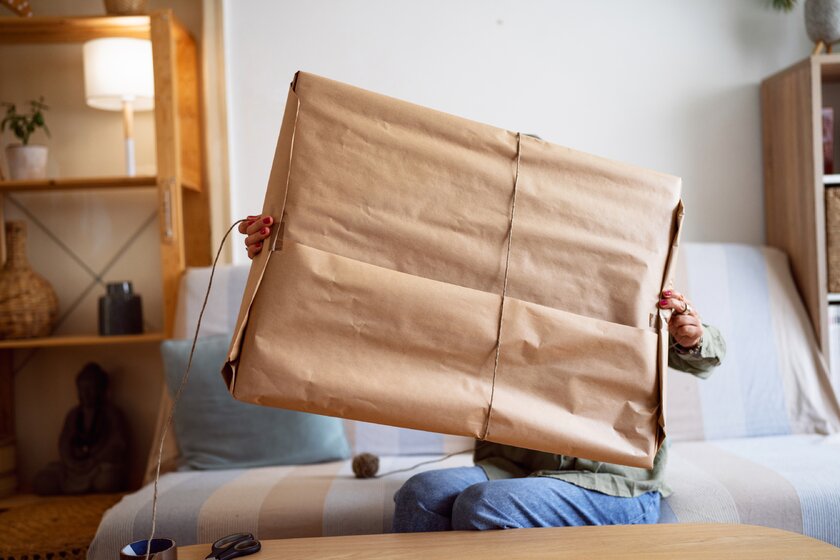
(182, 207)
(794, 185)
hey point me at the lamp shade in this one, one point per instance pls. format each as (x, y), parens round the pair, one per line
(117, 70)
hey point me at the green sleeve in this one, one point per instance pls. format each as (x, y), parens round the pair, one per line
(711, 354)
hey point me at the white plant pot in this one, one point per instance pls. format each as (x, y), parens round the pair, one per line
(26, 162)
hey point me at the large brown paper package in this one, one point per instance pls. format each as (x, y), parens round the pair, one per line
(379, 296)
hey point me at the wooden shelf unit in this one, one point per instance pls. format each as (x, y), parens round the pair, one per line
(794, 184)
(183, 203)
(178, 137)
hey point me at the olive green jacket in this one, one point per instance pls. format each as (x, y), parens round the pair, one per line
(506, 461)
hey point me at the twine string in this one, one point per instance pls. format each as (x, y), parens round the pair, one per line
(181, 386)
(429, 462)
(504, 286)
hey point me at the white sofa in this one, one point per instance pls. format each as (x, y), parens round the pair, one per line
(751, 444)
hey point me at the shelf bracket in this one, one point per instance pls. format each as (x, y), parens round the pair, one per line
(167, 228)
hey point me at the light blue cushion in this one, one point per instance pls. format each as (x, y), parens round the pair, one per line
(215, 431)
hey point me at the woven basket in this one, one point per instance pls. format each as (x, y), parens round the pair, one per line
(126, 7)
(832, 236)
(28, 305)
(58, 528)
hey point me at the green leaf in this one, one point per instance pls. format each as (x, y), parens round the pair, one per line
(784, 5)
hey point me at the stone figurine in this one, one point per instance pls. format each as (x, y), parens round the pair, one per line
(93, 443)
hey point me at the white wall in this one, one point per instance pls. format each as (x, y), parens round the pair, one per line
(668, 84)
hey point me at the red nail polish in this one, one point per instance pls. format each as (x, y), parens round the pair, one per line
(663, 302)
(264, 230)
(267, 220)
(666, 293)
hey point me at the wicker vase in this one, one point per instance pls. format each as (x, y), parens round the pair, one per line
(28, 305)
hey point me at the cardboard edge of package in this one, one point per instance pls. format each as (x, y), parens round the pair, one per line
(280, 174)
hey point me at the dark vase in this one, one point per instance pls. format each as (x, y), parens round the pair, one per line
(120, 310)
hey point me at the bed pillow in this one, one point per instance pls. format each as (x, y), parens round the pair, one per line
(215, 431)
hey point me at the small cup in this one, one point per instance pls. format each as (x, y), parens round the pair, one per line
(162, 549)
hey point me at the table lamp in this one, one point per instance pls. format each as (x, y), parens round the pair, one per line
(119, 77)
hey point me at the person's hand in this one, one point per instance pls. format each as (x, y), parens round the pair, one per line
(256, 228)
(684, 325)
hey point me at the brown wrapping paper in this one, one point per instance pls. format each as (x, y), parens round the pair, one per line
(378, 297)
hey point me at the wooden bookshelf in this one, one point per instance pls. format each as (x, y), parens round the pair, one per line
(182, 200)
(794, 183)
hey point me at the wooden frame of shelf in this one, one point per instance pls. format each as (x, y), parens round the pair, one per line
(794, 184)
(179, 149)
(80, 340)
(78, 183)
(183, 203)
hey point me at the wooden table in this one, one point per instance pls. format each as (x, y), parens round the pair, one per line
(701, 541)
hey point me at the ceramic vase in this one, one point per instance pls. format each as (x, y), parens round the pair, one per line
(822, 20)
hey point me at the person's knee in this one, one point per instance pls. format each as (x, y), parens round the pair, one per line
(480, 508)
(418, 491)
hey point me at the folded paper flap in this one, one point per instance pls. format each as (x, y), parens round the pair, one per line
(272, 206)
(595, 378)
(374, 339)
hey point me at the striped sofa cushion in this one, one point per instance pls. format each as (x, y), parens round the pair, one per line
(787, 482)
(773, 380)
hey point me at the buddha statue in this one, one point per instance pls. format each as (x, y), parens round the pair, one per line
(93, 443)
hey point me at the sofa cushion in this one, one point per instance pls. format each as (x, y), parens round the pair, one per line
(773, 380)
(788, 482)
(217, 432)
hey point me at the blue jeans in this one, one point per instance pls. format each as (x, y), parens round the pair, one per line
(463, 499)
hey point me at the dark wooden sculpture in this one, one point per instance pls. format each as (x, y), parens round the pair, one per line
(92, 445)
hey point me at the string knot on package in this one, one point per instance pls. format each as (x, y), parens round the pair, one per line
(435, 273)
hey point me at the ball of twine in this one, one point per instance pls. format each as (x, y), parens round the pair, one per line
(365, 465)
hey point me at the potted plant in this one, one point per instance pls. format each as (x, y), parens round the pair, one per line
(822, 21)
(26, 161)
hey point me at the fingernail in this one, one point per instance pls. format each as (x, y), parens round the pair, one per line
(666, 293)
(264, 230)
(663, 302)
(267, 220)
